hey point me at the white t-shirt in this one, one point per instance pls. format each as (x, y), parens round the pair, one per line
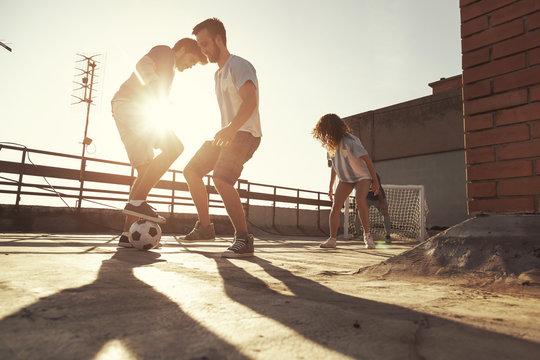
(229, 79)
(349, 167)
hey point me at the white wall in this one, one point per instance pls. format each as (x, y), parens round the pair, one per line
(443, 176)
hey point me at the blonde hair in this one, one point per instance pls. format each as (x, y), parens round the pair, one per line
(330, 130)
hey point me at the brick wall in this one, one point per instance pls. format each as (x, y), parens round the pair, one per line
(501, 104)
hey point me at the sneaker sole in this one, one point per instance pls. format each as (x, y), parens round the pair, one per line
(143, 216)
(124, 245)
(327, 247)
(233, 255)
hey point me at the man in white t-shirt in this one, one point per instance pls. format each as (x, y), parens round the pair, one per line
(237, 91)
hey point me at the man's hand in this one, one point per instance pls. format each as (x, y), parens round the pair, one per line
(224, 136)
(331, 193)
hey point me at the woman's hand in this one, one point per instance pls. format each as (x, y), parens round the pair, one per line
(375, 186)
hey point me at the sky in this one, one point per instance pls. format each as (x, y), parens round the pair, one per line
(312, 57)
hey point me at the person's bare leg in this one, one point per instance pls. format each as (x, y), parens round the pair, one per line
(342, 191)
(233, 205)
(129, 220)
(199, 195)
(155, 170)
(362, 189)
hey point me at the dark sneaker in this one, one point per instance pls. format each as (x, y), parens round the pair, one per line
(388, 239)
(199, 233)
(240, 248)
(124, 242)
(144, 211)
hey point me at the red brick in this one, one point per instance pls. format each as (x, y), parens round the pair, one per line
(516, 45)
(507, 169)
(519, 9)
(478, 156)
(478, 122)
(534, 93)
(481, 7)
(520, 204)
(495, 68)
(495, 102)
(536, 130)
(492, 36)
(533, 21)
(474, 58)
(537, 167)
(534, 56)
(474, 26)
(463, 3)
(500, 135)
(524, 186)
(481, 189)
(518, 114)
(517, 80)
(477, 90)
(519, 151)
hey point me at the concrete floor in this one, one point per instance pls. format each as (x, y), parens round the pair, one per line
(79, 297)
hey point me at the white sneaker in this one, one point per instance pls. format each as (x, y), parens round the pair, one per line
(368, 240)
(329, 243)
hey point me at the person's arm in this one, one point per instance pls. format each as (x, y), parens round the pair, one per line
(383, 204)
(375, 182)
(248, 93)
(332, 180)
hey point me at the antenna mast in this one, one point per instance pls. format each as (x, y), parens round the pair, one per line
(87, 85)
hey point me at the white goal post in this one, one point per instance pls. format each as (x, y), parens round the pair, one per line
(407, 209)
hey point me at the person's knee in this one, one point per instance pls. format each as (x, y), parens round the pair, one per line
(221, 184)
(335, 210)
(190, 174)
(141, 170)
(174, 148)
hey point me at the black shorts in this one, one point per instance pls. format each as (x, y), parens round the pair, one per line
(227, 162)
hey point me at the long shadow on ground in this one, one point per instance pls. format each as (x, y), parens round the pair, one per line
(77, 322)
(362, 328)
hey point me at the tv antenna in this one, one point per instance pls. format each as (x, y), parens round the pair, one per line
(5, 46)
(86, 86)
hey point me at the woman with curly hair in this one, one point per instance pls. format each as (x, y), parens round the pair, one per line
(354, 168)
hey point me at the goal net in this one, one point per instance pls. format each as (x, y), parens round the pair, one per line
(407, 209)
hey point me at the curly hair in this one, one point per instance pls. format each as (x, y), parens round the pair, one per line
(330, 130)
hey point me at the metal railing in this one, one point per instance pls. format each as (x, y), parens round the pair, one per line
(104, 188)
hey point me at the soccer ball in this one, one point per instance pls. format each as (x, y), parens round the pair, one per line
(144, 235)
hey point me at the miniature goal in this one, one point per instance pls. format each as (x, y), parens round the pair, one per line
(407, 209)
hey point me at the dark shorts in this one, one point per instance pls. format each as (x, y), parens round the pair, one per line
(227, 162)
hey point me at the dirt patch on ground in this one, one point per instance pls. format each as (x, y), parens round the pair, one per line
(500, 253)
